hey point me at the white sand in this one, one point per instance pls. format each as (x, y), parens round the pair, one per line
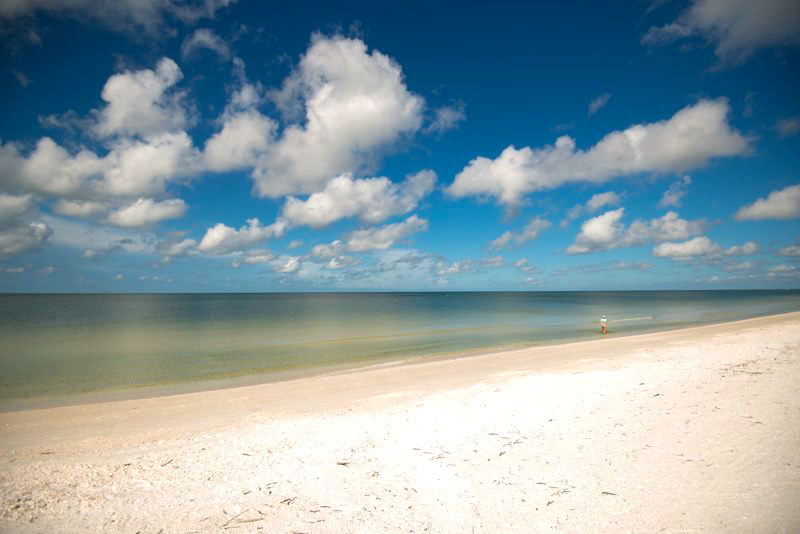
(692, 430)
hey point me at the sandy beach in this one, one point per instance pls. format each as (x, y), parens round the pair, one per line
(692, 430)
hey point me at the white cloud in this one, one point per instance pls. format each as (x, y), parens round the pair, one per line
(79, 208)
(786, 271)
(146, 146)
(22, 237)
(383, 237)
(221, 239)
(203, 38)
(597, 201)
(787, 126)
(135, 16)
(601, 200)
(147, 211)
(747, 249)
(372, 200)
(702, 246)
(598, 103)
(446, 118)
(444, 269)
(698, 246)
(139, 102)
(781, 204)
(531, 231)
(18, 233)
(145, 167)
(244, 136)
(690, 138)
(339, 262)
(790, 250)
(12, 207)
(119, 276)
(254, 257)
(288, 265)
(524, 266)
(353, 104)
(174, 249)
(675, 192)
(606, 231)
(737, 27)
(331, 250)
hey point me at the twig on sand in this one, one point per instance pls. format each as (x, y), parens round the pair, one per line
(343, 463)
(234, 517)
(607, 493)
(166, 463)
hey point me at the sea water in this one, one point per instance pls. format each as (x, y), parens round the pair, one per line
(65, 347)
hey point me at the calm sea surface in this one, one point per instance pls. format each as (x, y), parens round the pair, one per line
(59, 348)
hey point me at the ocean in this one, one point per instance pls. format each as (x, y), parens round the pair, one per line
(67, 348)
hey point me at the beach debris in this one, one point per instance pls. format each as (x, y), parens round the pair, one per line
(607, 493)
(343, 463)
(166, 463)
(289, 500)
(234, 517)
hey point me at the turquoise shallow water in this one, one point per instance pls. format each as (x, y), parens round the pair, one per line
(60, 346)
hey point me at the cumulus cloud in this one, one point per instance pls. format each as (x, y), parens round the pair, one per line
(383, 237)
(606, 231)
(146, 146)
(446, 118)
(205, 39)
(288, 265)
(787, 126)
(790, 250)
(221, 239)
(18, 232)
(698, 246)
(780, 204)
(254, 257)
(530, 232)
(675, 192)
(597, 103)
(243, 137)
(111, 248)
(702, 246)
(140, 16)
(736, 27)
(747, 249)
(787, 271)
(690, 138)
(349, 104)
(597, 201)
(372, 200)
(147, 211)
(340, 262)
(171, 249)
(79, 208)
(524, 266)
(139, 102)
(22, 237)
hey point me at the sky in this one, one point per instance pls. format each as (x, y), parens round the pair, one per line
(223, 145)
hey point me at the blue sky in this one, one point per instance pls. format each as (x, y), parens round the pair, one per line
(157, 145)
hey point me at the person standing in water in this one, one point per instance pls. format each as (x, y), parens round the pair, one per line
(603, 323)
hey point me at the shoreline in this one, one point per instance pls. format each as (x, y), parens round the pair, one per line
(300, 373)
(695, 429)
(153, 415)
